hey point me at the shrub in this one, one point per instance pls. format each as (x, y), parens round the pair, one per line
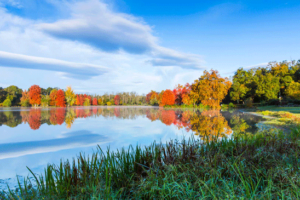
(7, 103)
(230, 105)
(25, 103)
(108, 103)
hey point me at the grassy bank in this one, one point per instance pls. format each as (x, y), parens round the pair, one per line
(260, 166)
(277, 108)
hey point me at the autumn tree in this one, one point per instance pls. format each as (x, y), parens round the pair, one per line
(293, 90)
(25, 99)
(117, 100)
(99, 101)
(70, 96)
(95, 101)
(34, 119)
(90, 99)
(168, 98)
(211, 88)
(60, 99)
(53, 94)
(35, 95)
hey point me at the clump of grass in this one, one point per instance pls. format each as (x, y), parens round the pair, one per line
(265, 165)
(282, 118)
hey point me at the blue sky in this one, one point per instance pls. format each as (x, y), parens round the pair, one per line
(99, 46)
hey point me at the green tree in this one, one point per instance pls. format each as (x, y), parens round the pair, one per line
(45, 101)
(15, 94)
(7, 103)
(268, 86)
(293, 90)
(238, 91)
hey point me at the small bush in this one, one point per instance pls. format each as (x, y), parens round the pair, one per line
(25, 103)
(108, 103)
(231, 105)
(7, 103)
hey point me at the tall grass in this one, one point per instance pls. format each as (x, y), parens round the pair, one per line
(261, 166)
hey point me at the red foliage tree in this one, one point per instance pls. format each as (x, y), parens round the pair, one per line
(60, 115)
(35, 95)
(34, 119)
(117, 112)
(117, 100)
(95, 101)
(60, 99)
(168, 98)
(81, 100)
(148, 96)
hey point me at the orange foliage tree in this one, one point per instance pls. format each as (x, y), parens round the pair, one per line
(34, 119)
(95, 101)
(151, 96)
(168, 98)
(60, 98)
(53, 94)
(168, 117)
(35, 95)
(210, 89)
(25, 98)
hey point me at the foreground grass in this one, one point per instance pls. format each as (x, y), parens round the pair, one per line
(261, 166)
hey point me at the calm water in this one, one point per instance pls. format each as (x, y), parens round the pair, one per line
(35, 137)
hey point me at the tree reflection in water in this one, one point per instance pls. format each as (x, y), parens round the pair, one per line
(35, 119)
(209, 123)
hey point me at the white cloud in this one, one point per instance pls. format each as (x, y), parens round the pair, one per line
(70, 69)
(93, 23)
(58, 62)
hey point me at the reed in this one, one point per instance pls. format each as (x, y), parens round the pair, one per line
(261, 166)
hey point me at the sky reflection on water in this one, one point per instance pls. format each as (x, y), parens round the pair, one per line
(36, 137)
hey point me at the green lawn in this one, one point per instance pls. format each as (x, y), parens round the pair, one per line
(277, 108)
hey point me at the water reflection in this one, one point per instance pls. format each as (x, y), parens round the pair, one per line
(211, 123)
(36, 137)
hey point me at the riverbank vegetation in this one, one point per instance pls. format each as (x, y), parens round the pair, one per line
(260, 166)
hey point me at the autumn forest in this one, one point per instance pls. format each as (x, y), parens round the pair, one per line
(278, 83)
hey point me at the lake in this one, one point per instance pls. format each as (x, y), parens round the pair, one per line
(34, 137)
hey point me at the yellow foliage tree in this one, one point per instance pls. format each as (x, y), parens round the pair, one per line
(210, 89)
(294, 90)
(70, 96)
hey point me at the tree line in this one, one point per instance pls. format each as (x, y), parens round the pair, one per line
(276, 83)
